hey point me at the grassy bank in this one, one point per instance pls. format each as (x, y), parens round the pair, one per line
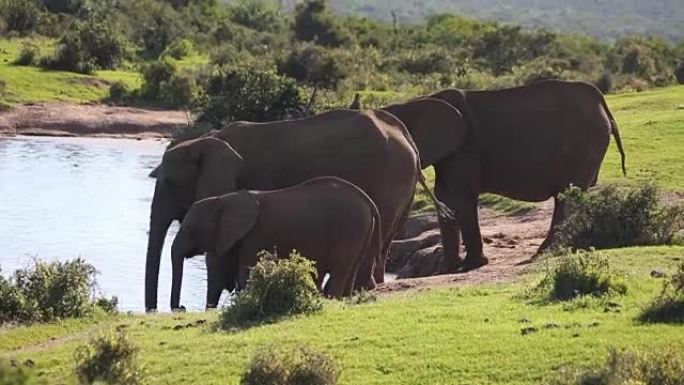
(442, 336)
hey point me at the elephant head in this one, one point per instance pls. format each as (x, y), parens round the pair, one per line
(213, 225)
(436, 127)
(190, 171)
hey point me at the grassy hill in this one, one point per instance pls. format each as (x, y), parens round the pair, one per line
(605, 19)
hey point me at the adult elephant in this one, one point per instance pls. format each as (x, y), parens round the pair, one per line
(527, 143)
(370, 149)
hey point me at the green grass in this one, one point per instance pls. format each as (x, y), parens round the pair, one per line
(442, 336)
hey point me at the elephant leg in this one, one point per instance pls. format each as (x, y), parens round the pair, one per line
(214, 282)
(468, 217)
(556, 220)
(379, 271)
(451, 238)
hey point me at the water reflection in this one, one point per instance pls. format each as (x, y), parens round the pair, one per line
(62, 198)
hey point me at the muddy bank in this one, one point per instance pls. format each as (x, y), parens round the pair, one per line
(95, 120)
(509, 243)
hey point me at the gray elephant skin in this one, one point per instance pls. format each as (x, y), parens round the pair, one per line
(527, 143)
(327, 220)
(371, 149)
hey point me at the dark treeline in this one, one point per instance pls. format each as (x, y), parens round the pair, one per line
(265, 62)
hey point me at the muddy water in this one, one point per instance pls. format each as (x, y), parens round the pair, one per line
(62, 198)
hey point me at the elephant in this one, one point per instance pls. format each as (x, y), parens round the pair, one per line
(371, 149)
(326, 219)
(527, 143)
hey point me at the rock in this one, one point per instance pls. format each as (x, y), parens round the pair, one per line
(418, 224)
(422, 263)
(401, 251)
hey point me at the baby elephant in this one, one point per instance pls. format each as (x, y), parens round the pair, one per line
(326, 219)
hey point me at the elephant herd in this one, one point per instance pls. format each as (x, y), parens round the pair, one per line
(339, 185)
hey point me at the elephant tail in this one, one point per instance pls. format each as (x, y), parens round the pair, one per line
(616, 134)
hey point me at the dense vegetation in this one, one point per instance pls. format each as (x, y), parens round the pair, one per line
(253, 60)
(605, 19)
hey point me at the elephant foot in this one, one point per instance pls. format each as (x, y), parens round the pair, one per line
(151, 310)
(472, 263)
(179, 309)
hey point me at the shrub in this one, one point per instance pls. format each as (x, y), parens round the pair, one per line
(679, 72)
(162, 83)
(668, 306)
(48, 291)
(154, 74)
(19, 16)
(625, 367)
(313, 65)
(109, 358)
(108, 305)
(303, 366)
(605, 83)
(608, 218)
(276, 288)
(230, 94)
(314, 22)
(581, 274)
(14, 373)
(28, 55)
(179, 49)
(118, 91)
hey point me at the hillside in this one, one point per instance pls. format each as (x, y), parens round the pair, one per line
(605, 19)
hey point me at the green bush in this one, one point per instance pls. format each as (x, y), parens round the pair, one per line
(96, 42)
(28, 55)
(118, 91)
(313, 65)
(14, 373)
(48, 291)
(605, 83)
(179, 49)
(314, 22)
(108, 358)
(276, 288)
(250, 94)
(20, 16)
(301, 366)
(581, 274)
(679, 72)
(609, 218)
(625, 367)
(668, 306)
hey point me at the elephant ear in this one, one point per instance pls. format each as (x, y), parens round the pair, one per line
(219, 167)
(239, 213)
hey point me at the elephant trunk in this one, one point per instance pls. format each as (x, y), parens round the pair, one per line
(160, 220)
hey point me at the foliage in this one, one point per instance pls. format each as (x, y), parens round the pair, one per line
(627, 367)
(314, 22)
(302, 366)
(276, 288)
(48, 291)
(14, 373)
(259, 15)
(118, 92)
(109, 358)
(313, 65)
(3, 87)
(608, 217)
(19, 16)
(163, 82)
(231, 94)
(668, 306)
(28, 55)
(93, 42)
(155, 26)
(179, 49)
(605, 83)
(190, 131)
(581, 274)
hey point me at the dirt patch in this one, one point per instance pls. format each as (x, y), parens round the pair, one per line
(63, 119)
(509, 243)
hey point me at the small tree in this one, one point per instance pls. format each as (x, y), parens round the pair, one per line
(108, 358)
(19, 16)
(314, 22)
(313, 65)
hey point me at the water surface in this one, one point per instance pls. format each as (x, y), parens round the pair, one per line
(62, 198)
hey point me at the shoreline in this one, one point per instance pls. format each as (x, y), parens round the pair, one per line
(90, 120)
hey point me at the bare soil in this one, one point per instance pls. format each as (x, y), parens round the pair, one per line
(510, 242)
(98, 120)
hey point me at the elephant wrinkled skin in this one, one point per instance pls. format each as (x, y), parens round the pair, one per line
(527, 143)
(326, 219)
(370, 149)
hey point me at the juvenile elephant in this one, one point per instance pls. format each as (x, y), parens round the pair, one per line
(326, 219)
(371, 149)
(527, 143)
